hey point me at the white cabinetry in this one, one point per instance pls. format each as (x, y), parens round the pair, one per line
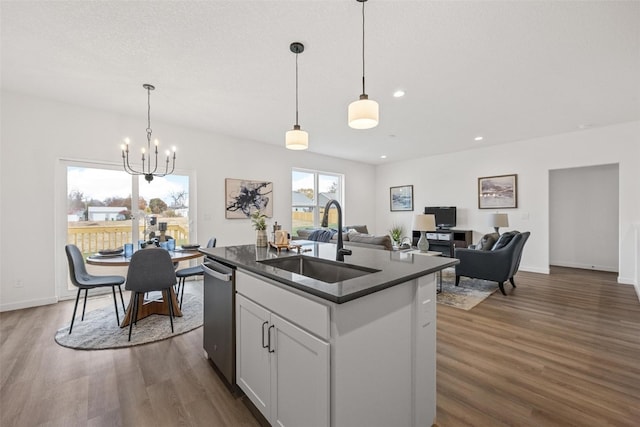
(283, 369)
(369, 362)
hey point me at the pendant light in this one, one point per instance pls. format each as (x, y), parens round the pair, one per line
(296, 139)
(363, 113)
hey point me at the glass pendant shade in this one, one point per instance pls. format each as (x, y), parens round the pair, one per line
(363, 113)
(297, 139)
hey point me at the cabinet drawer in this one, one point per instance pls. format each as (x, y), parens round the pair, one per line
(310, 315)
(432, 236)
(444, 236)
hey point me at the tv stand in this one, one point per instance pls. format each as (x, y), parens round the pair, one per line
(446, 240)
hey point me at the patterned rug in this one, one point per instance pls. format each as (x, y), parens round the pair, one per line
(99, 330)
(468, 294)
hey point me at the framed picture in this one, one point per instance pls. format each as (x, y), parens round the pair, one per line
(498, 192)
(243, 197)
(401, 198)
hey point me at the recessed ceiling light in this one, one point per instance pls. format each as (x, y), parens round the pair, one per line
(478, 138)
(384, 156)
(398, 94)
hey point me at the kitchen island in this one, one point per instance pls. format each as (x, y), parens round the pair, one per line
(320, 342)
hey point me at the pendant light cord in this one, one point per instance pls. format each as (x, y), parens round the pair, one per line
(363, 91)
(296, 89)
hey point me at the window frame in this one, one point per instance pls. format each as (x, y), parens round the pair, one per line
(316, 206)
(61, 223)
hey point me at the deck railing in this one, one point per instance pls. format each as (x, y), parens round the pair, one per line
(93, 238)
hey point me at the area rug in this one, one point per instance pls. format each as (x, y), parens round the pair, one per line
(99, 331)
(468, 294)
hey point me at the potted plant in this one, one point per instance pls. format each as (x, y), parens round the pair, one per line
(397, 234)
(260, 225)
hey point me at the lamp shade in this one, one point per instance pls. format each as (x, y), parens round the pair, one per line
(498, 220)
(297, 139)
(424, 222)
(363, 113)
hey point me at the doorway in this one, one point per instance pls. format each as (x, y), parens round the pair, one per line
(584, 217)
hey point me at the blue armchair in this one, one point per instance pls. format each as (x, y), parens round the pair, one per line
(498, 264)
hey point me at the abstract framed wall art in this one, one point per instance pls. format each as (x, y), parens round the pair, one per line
(243, 197)
(401, 198)
(498, 192)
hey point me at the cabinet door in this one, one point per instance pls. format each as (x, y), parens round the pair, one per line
(252, 359)
(299, 377)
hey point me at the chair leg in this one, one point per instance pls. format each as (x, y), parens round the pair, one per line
(85, 303)
(124, 309)
(182, 294)
(513, 283)
(74, 310)
(457, 280)
(501, 284)
(134, 313)
(170, 300)
(115, 304)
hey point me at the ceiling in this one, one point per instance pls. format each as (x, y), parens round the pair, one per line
(504, 70)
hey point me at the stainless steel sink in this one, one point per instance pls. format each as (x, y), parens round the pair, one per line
(319, 269)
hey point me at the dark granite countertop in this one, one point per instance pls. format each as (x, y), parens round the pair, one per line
(394, 267)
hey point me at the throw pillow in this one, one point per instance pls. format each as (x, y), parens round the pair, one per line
(358, 228)
(504, 240)
(487, 242)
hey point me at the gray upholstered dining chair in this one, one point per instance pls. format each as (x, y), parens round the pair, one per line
(85, 281)
(150, 269)
(196, 270)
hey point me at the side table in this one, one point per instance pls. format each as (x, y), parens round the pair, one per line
(430, 253)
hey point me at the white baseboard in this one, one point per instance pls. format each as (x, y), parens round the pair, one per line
(534, 269)
(585, 266)
(28, 304)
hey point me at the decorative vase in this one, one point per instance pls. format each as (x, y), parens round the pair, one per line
(261, 238)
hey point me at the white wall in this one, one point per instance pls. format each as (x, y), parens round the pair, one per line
(452, 180)
(583, 217)
(37, 133)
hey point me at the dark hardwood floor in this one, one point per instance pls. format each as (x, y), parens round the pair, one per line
(559, 350)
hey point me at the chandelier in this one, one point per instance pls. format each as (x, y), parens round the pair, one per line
(147, 170)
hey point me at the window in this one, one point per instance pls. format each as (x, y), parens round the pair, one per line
(310, 192)
(100, 213)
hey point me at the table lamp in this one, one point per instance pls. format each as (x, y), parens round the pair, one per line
(497, 220)
(424, 223)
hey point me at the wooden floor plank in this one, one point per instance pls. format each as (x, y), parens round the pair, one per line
(561, 349)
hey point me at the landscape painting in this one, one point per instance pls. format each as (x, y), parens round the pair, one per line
(243, 197)
(401, 198)
(498, 192)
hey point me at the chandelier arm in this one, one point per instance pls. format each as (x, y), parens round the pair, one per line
(128, 167)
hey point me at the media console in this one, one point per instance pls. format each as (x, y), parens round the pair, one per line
(445, 241)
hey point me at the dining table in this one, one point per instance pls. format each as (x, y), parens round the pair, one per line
(146, 306)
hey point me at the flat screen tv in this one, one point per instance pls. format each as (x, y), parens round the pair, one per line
(445, 215)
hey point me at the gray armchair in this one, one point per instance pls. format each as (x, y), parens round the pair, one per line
(498, 264)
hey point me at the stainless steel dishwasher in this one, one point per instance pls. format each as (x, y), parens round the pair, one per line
(219, 325)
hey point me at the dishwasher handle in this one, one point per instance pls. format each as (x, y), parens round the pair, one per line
(225, 277)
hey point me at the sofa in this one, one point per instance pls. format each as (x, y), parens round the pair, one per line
(352, 235)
